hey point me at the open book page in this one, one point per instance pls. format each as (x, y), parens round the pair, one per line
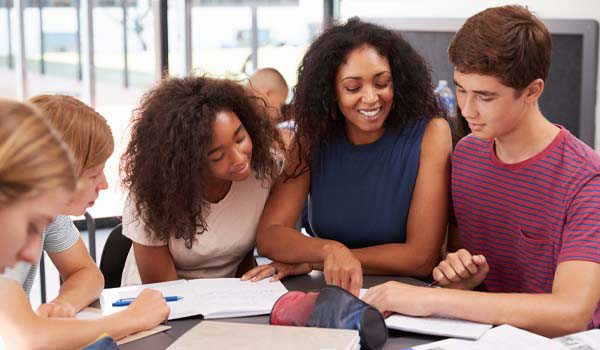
(231, 297)
(504, 337)
(210, 297)
(235, 336)
(448, 344)
(510, 338)
(91, 313)
(587, 340)
(181, 308)
(447, 327)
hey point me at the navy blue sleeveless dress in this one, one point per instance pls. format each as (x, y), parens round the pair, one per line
(360, 194)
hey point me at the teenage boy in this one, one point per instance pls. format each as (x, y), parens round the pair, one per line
(526, 194)
(88, 136)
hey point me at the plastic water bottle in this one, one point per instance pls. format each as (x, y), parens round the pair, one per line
(447, 98)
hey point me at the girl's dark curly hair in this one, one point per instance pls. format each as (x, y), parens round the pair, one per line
(314, 105)
(165, 164)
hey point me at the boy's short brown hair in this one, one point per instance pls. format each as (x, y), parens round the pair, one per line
(85, 132)
(507, 42)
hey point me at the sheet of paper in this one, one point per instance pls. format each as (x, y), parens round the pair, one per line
(231, 297)
(513, 338)
(89, 313)
(503, 337)
(587, 340)
(446, 327)
(448, 344)
(179, 309)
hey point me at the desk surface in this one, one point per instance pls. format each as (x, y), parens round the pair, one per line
(312, 281)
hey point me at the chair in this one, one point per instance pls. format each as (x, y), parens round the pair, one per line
(113, 257)
(90, 224)
(303, 223)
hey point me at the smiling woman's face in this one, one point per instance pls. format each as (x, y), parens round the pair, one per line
(365, 93)
(22, 224)
(230, 154)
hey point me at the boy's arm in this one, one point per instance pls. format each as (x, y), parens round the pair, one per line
(568, 309)
(83, 282)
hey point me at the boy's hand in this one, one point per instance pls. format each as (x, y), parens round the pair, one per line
(461, 270)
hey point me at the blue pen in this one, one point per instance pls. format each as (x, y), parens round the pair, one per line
(127, 301)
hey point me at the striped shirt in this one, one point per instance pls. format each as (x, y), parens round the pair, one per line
(59, 236)
(528, 217)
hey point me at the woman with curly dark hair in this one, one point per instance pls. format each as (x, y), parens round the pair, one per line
(198, 169)
(373, 155)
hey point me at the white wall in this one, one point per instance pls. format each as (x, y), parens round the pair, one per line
(577, 9)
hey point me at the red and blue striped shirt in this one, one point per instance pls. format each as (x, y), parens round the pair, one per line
(528, 217)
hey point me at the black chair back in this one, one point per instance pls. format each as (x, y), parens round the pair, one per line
(113, 257)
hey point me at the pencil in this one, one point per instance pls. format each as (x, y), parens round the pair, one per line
(433, 284)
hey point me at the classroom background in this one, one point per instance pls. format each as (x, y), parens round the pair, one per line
(108, 52)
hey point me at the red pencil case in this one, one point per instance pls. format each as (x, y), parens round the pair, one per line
(331, 307)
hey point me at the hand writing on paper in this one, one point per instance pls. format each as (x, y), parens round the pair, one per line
(401, 298)
(276, 271)
(149, 308)
(343, 269)
(56, 308)
(461, 270)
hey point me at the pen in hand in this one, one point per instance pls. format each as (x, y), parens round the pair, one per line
(127, 301)
(433, 284)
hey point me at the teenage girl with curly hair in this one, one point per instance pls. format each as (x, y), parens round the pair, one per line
(372, 154)
(198, 169)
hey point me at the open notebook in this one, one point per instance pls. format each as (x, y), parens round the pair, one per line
(210, 297)
(446, 327)
(218, 335)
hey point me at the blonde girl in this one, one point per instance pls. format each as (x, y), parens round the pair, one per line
(37, 181)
